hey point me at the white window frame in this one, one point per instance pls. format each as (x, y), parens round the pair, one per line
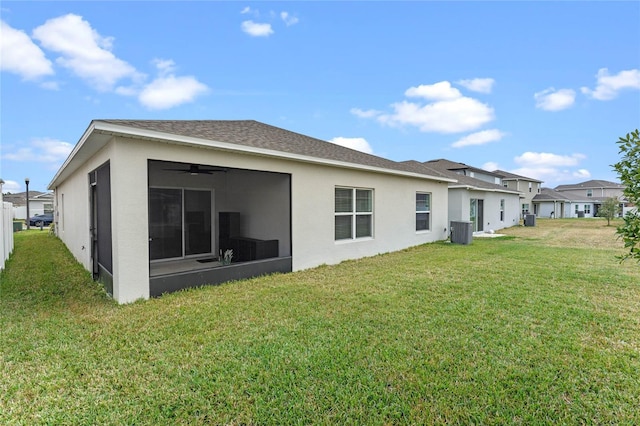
(589, 193)
(354, 213)
(587, 209)
(427, 211)
(502, 210)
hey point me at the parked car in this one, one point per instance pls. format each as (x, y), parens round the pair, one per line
(45, 219)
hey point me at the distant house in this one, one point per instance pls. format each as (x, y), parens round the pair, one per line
(577, 200)
(527, 186)
(552, 204)
(39, 203)
(478, 196)
(587, 197)
(151, 206)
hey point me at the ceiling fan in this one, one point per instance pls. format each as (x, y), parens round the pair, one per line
(195, 169)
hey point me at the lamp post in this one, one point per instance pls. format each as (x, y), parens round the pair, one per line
(26, 181)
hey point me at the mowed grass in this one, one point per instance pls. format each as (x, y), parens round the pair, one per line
(540, 327)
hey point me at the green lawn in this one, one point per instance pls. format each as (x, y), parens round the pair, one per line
(540, 327)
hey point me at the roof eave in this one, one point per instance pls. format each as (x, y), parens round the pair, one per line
(116, 130)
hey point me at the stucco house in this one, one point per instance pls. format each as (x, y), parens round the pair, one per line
(39, 203)
(478, 196)
(527, 186)
(588, 196)
(550, 203)
(152, 206)
(578, 200)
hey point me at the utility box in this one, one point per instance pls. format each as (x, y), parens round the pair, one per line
(581, 213)
(530, 220)
(461, 232)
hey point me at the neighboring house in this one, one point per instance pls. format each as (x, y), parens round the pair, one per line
(552, 204)
(578, 200)
(478, 196)
(39, 203)
(588, 196)
(527, 186)
(147, 205)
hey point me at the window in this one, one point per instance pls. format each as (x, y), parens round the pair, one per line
(577, 209)
(353, 213)
(587, 209)
(589, 193)
(423, 211)
(505, 184)
(502, 210)
(529, 186)
(525, 208)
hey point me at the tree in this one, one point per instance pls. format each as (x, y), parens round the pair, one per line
(609, 209)
(628, 169)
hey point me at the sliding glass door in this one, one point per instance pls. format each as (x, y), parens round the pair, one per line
(179, 222)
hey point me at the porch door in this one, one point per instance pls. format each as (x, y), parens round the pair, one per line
(480, 222)
(165, 223)
(179, 223)
(476, 214)
(100, 225)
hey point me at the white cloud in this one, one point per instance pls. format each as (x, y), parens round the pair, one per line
(83, 51)
(608, 86)
(555, 100)
(43, 150)
(165, 66)
(439, 91)
(582, 174)
(359, 144)
(169, 91)
(246, 10)
(479, 138)
(288, 19)
(364, 114)
(20, 55)
(546, 159)
(452, 116)
(551, 168)
(11, 186)
(255, 29)
(482, 85)
(446, 110)
(490, 166)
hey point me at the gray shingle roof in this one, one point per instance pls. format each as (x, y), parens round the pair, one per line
(590, 184)
(444, 164)
(254, 134)
(510, 176)
(548, 194)
(440, 167)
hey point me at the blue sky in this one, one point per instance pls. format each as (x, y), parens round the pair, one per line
(542, 89)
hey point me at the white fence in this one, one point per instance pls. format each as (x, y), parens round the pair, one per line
(6, 231)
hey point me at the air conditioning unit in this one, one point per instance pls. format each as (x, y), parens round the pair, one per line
(461, 232)
(530, 220)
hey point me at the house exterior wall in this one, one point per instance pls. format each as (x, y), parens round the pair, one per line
(72, 211)
(584, 206)
(35, 207)
(459, 207)
(312, 205)
(552, 209)
(528, 188)
(597, 194)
